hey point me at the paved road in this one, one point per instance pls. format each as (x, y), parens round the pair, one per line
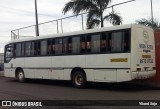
(10, 89)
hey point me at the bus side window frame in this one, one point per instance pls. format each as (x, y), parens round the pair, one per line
(69, 45)
(43, 51)
(16, 50)
(124, 39)
(53, 46)
(33, 48)
(22, 49)
(127, 39)
(88, 43)
(76, 49)
(58, 46)
(96, 44)
(29, 50)
(82, 44)
(65, 45)
(105, 45)
(49, 47)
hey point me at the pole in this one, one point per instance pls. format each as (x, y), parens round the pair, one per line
(152, 12)
(82, 22)
(36, 15)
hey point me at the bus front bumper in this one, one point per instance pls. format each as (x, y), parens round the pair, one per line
(143, 74)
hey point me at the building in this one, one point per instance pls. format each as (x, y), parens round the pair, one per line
(1, 61)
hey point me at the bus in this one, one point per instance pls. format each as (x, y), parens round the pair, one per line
(156, 79)
(1, 61)
(110, 54)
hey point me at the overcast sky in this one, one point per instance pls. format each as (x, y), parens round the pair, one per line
(15, 14)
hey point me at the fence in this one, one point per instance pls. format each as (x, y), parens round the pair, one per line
(56, 26)
(136, 12)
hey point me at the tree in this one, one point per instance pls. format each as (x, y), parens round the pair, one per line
(95, 10)
(148, 22)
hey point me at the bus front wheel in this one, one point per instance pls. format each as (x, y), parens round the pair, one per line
(79, 79)
(20, 76)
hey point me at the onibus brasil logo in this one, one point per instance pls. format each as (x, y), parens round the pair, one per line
(145, 37)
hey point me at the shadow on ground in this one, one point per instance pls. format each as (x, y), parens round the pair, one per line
(125, 86)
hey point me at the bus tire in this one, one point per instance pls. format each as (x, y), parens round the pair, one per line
(20, 76)
(79, 79)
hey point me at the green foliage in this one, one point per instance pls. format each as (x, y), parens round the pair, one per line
(148, 22)
(95, 9)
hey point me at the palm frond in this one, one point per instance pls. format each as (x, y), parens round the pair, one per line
(78, 6)
(93, 14)
(95, 9)
(102, 3)
(144, 21)
(148, 22)
(113, 18)
(68, 7)
(92, 23)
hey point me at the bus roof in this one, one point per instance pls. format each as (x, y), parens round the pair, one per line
(75, 33)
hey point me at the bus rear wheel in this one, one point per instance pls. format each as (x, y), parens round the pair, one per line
(79, 79)
(20, 76)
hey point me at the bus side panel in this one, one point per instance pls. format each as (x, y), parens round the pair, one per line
(8, 71)
(43, 68)
(29, 69)
(63, 65)
(105, 75)
(105, 61)
(107, 67)
(10, 68)
(124, 75)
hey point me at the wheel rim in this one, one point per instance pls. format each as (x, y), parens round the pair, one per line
(79, 80)
(20, 76)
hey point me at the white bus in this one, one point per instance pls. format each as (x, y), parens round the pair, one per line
(112, 54)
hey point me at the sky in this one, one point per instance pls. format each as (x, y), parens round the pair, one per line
(16, 14)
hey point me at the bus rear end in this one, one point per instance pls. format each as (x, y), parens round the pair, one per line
(156, 79)
(142, 52)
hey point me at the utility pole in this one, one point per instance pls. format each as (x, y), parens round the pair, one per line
(152, 12)
(36, 16)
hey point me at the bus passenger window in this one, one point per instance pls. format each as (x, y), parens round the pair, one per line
(43, 47)
(58, 46)
(88, 43)
(49, 49)
(116, 42)
(95, 43)
(38, 48)
(33, 49)
(126, 41)
(18, 50)
(22, 52)
(53, 47)
(76, 44)
(49, 44)
(65, 48)
(28, 49)
(105, 42)
(70, 45)
(83, 44)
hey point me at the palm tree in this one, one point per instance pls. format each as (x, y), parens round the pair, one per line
(148, 22)
(95, 10)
